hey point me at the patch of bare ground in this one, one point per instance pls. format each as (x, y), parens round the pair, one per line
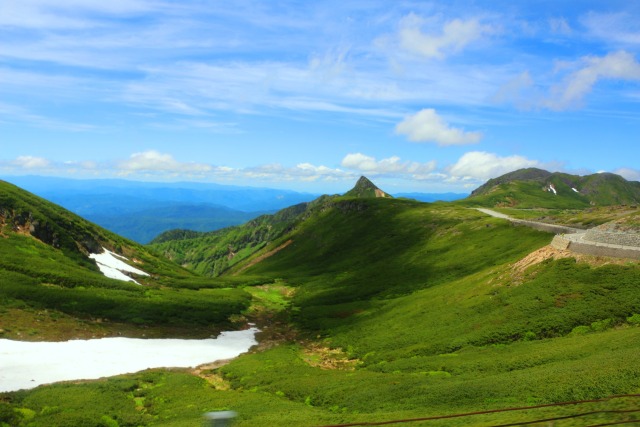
(538, 256)
(264, 256)
(518, 269)
(319, 356)
(209, 374)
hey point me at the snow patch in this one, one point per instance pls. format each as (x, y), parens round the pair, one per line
(112, 266)
(574, 190)
(552, 188)
(25, 365)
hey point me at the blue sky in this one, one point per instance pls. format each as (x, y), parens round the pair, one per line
(417, 95)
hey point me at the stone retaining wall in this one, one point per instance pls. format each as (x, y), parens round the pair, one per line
(592, 242)
(577, 243)
(613, 238)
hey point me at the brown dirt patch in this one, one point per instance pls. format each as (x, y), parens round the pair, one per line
(536, 257)
(548, 252)
(322, 357)
(207, 372)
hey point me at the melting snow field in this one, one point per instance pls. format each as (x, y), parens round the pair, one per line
(112, 266)
(26, 365)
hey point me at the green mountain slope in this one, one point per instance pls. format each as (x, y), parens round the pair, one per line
(536, 188)
(401, 310)
(45, 265)
(217, 252)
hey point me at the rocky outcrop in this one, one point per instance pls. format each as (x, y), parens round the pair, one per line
(364, 188)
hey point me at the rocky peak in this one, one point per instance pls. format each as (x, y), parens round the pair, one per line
(364, 188)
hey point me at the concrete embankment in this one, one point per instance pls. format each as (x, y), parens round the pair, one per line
(577, 243)
(590, 242)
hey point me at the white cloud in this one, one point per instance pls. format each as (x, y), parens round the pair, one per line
(14, 113)
(427, 126)
(616, 65)
(618, 27)
(516, 90)
(154, 161)
(52, 14)
(391, 165)
(30, 162)
(559, 26)
(455, 35)
(480, 165)
(628, 173)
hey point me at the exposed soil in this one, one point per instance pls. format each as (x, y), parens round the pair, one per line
(208, 373)
(549, 252)
(536, 257)
(318, 356)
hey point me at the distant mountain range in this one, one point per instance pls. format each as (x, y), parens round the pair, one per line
(532, 187)
(142, 210)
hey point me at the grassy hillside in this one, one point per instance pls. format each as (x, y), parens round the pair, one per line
(401, 310)
(46, 274)
(213, 253)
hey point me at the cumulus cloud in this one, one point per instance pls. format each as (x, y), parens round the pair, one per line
(391, 165)
(481, 165)
(30, 162)
(154, 161)
(616, 65)
(427, 126)
(454, 36)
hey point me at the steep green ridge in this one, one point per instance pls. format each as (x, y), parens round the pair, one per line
(215, 253)
(44, 265)
(531, 188)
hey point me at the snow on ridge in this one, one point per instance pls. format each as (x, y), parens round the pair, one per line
(110, 265)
